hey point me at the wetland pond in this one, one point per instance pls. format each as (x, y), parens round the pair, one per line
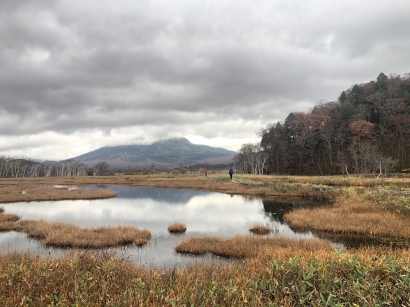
(154, 209)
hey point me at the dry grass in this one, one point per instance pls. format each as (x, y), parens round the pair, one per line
(290, 273)
(246, 246)
(260, 229)
(68, 235)
(11, 189)
(352, 218)
(275, 271)
(177, 227)
(31, 190)
(8, 218)
(7, 221)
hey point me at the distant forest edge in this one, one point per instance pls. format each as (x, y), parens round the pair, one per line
(366, 131)
(177, 154)
(18, 168)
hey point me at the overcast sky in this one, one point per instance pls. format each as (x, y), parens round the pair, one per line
(77, 75)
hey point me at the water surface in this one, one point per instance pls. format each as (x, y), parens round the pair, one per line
(204, 213)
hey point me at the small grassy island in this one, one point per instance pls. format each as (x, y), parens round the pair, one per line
(177, 227)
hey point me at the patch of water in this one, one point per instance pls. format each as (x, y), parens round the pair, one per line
(204, 213)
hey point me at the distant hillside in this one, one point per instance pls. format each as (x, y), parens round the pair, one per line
(164, 154)
(366, 131)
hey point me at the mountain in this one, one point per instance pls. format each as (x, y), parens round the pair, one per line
(164, 154)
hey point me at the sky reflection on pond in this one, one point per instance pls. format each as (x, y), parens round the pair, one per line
(155, 208)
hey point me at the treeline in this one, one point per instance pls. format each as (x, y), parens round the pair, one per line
(15, 168)
(367, 131)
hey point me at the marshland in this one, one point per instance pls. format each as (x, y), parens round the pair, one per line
(304, 259)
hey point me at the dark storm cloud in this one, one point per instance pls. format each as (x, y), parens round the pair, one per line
(166, 67)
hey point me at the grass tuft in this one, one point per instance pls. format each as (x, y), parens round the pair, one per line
(260, 229)
(177, 227)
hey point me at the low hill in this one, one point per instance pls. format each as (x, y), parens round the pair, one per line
(165, 154)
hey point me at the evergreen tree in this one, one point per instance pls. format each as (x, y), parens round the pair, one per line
(343, 97)
(356, 95)
(381, 83)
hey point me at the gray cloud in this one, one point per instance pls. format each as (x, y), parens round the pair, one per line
(165, 68)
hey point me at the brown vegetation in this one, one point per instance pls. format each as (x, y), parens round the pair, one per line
(260, 229)
(372, 212)
(351, 218)
(275, 271)
(8, 218)
(375, 198)
(277, 277)
(246, 246)
(177, 227)
(33, 189)
(67, 235)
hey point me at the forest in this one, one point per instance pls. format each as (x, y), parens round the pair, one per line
(366, 131)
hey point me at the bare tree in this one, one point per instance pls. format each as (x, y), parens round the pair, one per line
(100, 169)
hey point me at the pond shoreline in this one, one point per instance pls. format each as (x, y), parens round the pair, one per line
(363, 206)
(278, 275)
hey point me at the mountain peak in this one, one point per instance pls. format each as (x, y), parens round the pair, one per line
(180, 139)
(165, 154)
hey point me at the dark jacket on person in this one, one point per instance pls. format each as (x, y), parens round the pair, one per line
(230, 171)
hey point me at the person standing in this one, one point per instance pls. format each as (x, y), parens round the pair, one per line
(230, 173)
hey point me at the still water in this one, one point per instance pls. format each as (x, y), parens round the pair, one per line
(204, 213)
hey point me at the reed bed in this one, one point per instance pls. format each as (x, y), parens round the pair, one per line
(26, 191)
(246, 246)
(260, 229)
(68, 235)
(8, 218)
(7, 221)
(351, 218)
(274, 278)
(177, 227)
(373, 212)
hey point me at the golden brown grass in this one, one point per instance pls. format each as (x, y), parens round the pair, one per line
(281, 275)
(352, 217)
(246, 246)
(177, 227)
(32, 190)
(260, 229)
(7, 221)
(68, 235)
(8, 218)
(11, 188)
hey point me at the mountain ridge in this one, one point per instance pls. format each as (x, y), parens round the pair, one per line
(165, 154)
